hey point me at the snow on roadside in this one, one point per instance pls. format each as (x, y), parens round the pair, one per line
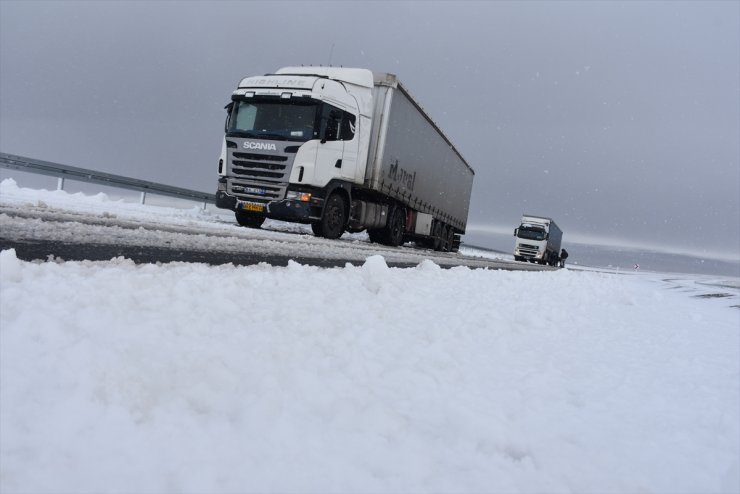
(28, 215)
(192, 214)
(116, 377)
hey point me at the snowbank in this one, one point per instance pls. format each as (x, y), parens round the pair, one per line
(189, 378)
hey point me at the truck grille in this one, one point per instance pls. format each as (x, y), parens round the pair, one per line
(260, 166)
(258, 177)
(528, 250)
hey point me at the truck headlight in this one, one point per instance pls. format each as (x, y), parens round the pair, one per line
(298, 196)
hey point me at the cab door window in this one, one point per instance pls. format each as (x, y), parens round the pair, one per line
(347, 127)
(336, 124)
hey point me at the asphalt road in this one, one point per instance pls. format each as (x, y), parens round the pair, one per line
(41, 233)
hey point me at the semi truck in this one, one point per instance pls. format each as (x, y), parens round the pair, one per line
(342, 149)
(538, 240)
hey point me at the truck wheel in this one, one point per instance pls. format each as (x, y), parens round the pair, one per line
(450, 239)
(455, 241)
(332, 221)
(316, 229)
(396, 228)
(437, 235)
(249, 220)
(444, 244)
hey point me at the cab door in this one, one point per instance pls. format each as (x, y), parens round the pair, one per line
(330, 151)
(349, 135)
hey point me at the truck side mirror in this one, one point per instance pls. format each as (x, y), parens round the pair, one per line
(331, 131)
(228, 109)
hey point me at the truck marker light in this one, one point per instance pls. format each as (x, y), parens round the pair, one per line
(286, 95)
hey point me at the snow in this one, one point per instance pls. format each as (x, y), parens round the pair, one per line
(188, 378)
(27, 214)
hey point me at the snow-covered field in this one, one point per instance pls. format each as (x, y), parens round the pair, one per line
(188, 378)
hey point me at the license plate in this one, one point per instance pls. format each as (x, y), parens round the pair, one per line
(255, 190)
(253, 206)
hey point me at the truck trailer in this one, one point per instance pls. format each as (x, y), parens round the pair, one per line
(342, 149)
(538, 240)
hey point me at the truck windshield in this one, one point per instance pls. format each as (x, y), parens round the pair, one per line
(531, 233)
(280, 119)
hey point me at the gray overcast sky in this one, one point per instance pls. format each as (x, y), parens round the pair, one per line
(621, 120)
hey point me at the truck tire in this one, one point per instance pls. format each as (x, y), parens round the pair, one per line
(396, 228)
(249, 220)
(444, 244)
(437, 235)
(316, 229)
(332, 221)
(455, 241)
(450, 239)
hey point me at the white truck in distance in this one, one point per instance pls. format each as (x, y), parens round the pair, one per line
(538, 240)
(345, 150)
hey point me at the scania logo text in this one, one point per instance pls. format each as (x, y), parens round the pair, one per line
(265, 146)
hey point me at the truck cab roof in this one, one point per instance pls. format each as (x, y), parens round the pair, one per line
(358, 77)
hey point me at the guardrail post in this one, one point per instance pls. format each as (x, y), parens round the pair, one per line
(143, 198)
(60, 183)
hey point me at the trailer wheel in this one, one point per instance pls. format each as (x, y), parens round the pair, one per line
(437, 236)
(444, 244)
(332, 221)
(455, 241)
(249, 220)
(450, 238)
(396, 228)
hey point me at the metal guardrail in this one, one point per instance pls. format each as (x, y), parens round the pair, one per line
(64, 172)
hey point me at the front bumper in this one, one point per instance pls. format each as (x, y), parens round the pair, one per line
(528, 255)
(225, 201)
(286, 209)
(292, 210)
